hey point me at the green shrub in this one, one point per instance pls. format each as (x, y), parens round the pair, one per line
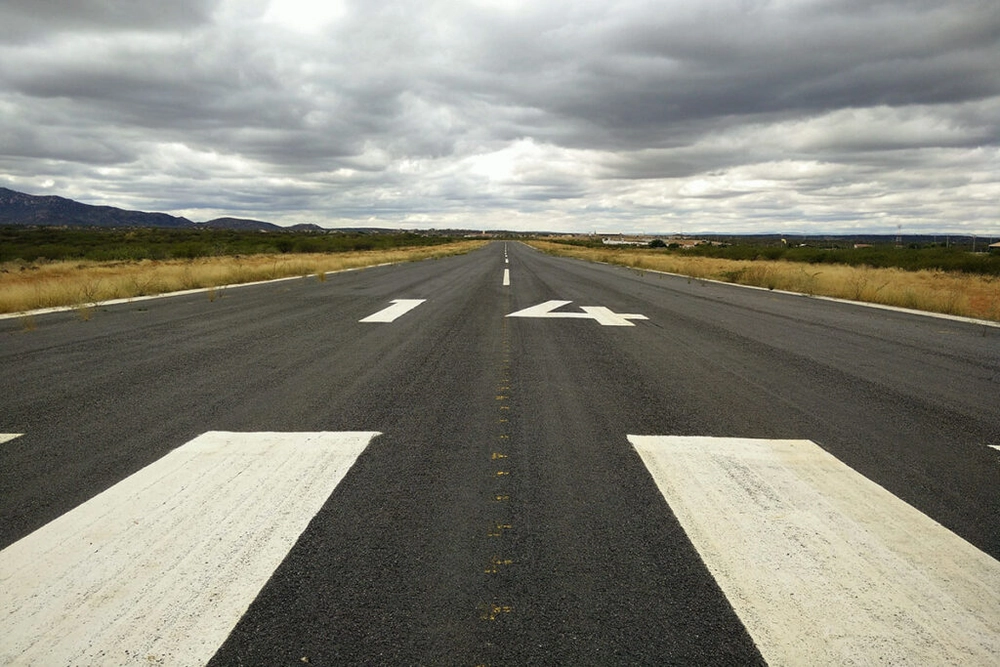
(103, 245)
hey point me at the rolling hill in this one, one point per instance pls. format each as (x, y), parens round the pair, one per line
(19, 208)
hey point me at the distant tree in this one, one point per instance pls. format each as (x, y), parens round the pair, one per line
(657, 243)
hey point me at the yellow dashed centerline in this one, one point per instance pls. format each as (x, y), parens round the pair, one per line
(497, 529)
(491, 611)
(496, 564)
(502, 562)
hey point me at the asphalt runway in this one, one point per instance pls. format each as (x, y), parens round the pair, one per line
(503, 516)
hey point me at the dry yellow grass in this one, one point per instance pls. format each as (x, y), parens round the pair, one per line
(25, 287)
(932, 291)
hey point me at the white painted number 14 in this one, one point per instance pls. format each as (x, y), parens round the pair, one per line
(602, 315)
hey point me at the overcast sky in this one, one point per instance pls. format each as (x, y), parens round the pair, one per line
(672, 116)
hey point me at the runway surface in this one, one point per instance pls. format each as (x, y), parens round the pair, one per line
(526, 486)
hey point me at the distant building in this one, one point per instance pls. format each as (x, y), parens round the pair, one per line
(621, 239)
(685, 243)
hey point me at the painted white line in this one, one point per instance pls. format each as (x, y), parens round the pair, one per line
(506, 277)
(996, 447)
(7, 437)
(601, 314)
(161, 566)
(823, 566)
(400, 307)
(863, 304)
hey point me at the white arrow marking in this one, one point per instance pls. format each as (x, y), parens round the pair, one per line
(399, 307)
(823, 565)
(160, 567)
(601, 314)
(7, 437)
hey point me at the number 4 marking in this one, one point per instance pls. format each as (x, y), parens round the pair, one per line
(602, 315)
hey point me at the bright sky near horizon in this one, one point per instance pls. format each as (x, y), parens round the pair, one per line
(812, 116)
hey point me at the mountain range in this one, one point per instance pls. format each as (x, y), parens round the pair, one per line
(19, 208)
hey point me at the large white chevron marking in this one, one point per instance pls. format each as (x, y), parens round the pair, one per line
(160, 567)
(824, 566)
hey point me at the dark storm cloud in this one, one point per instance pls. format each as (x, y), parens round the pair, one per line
(25, 19)
(577, 114)
(635, 78)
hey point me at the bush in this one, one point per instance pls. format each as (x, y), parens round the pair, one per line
(910, 259)
(102, 244)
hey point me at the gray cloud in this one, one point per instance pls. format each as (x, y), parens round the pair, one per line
(566, 115)
(28, 20)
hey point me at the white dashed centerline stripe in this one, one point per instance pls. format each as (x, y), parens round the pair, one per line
(7, 437)
(506, 277)
(160, 567)
(822, 565)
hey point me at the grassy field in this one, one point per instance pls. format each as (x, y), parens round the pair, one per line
(949, 292)
(37, 284)
(83, 283)
(108, 245)
(911, 258)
